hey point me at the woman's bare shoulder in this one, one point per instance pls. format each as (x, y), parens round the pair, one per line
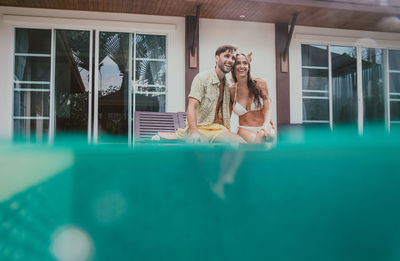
(260, 83)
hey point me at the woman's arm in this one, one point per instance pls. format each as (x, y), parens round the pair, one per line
(262, 86)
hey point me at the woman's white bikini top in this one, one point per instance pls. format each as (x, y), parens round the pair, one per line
(240, 110)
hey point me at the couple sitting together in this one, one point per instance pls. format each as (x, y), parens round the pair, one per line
(212, 102)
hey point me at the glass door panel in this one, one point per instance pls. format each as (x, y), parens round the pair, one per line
(150, 73)
(31, 104)
(72, 81)
(36, 69)
(113, 88)
(31, 129)
(31, 84)
(344, 85)
(373, 87)
(150, 86)
(315, 87)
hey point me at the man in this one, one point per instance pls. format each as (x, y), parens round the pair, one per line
(208, 111)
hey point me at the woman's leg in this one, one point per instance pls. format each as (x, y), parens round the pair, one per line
(228, 137)
(251, 136)
(247, 135)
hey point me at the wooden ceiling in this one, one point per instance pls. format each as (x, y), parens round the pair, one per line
(374, 15)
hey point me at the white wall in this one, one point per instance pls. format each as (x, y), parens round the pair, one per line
(325, 36)
(6, 71)
(258, 38)
(10, 17)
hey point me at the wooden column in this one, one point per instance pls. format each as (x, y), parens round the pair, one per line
(191, 52)
(282, 78)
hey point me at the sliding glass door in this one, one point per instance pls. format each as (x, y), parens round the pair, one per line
(72, 82)
(51, 83)
(344, 85)
(113, 87)
(373, 87)
(52, 86)
(348, 85)
(131, 77)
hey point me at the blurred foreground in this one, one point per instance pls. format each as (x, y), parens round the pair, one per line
(316, 195)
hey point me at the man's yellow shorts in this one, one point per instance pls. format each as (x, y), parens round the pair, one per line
(210, 131)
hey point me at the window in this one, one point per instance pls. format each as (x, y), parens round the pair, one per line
(348, 85)
(53, 75)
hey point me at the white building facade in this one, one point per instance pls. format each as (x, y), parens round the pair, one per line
(88, 72)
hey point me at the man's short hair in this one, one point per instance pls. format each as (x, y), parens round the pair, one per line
(225, 47)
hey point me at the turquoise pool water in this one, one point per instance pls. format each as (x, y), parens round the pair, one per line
(315, 195)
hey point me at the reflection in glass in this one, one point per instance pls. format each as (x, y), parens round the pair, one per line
(314, 55)
(113, 85)
(394, 82)
(394, 59)
(316, 110)
(149, 72)
(150, 102)
(32, 41)
(344, 84)
(315, 79)
(32, 68)
(395, 111)
(31, 129)
(31, 103)
(150, 46)
(71, 81)
(373, 61)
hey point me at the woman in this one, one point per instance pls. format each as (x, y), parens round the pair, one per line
(250, 101)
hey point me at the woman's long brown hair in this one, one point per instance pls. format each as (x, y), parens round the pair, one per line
(254, 92)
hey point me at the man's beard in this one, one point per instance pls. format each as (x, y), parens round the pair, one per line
(222, 68)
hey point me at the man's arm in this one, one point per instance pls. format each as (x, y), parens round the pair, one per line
(191, 116)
